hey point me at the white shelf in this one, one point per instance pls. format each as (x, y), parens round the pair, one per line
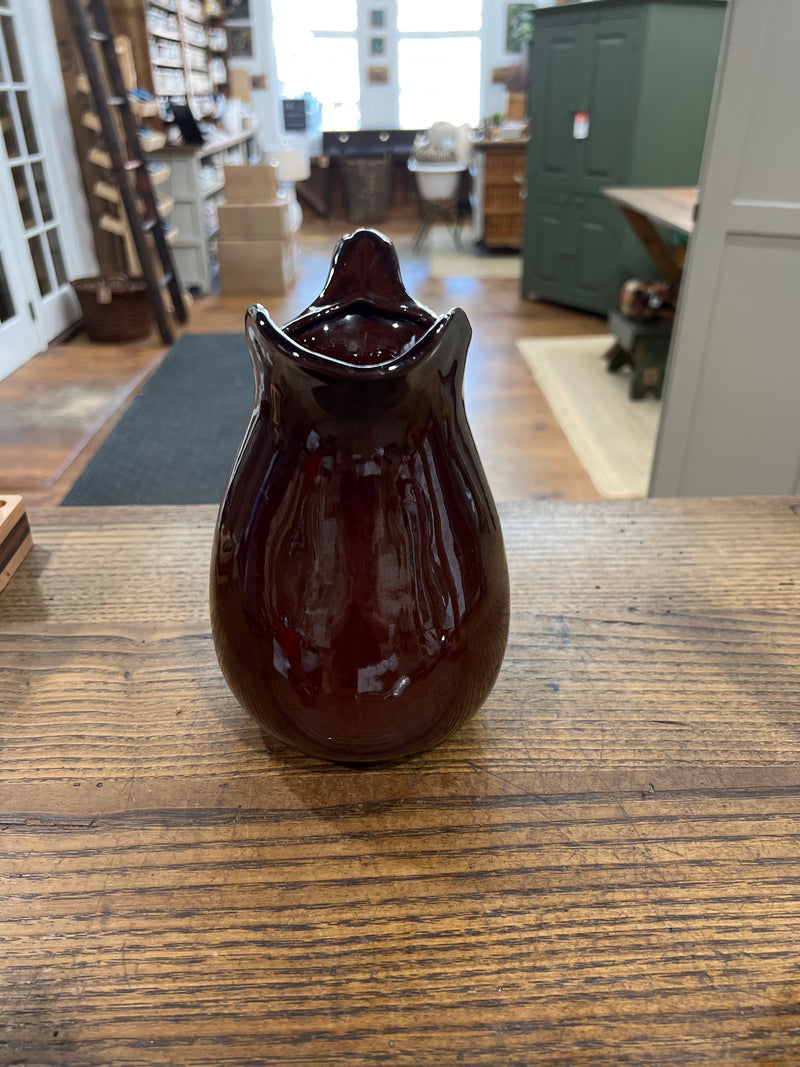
(213, 189)
(159, 176)
(194, 249)
(166, 35)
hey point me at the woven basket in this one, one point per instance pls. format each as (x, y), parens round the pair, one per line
(115, 307)
(368, 182)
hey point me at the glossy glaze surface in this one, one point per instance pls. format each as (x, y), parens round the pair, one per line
(359, 590)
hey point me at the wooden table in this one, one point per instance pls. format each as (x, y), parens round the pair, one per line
(648, 208)
(602, 868)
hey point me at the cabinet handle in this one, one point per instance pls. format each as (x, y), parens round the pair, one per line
(563, 198)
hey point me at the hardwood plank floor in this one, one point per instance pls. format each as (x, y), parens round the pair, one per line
(523, 449)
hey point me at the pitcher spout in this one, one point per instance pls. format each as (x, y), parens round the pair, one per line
(364, 324)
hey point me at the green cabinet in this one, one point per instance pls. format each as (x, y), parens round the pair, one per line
(567, 240)
(620, 94)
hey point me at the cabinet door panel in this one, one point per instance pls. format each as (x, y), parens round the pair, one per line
(598, 229)
(549, 240)
(559, 84)
(604, 155)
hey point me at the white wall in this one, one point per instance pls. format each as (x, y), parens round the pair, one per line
(265, 102)
(378, 102)
(493, 52)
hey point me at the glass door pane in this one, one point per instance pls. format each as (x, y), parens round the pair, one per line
(7, 308)
(443, 16)
(450, 91)
(19, 334)
(317, 57)
(32, 222)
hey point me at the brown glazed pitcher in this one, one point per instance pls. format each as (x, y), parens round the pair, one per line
(359, 588)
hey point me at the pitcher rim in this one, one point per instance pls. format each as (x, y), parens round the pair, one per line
(260, 323)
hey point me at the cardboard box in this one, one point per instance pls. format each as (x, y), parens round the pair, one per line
(257, 268)
(515, 106)
(258, 222)
(240, 83)
(255, 183)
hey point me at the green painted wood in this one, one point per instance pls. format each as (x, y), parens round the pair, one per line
(569, 237)
(546, 234)
(644, 70)
(613, 53)
(596, 281)
(560, 88)
(681, 49)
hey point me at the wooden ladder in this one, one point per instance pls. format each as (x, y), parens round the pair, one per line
(91, 26)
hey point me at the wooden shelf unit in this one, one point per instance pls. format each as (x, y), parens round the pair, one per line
(170, 49)
(499, 192)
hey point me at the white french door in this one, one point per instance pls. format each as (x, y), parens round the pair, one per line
(36, 300)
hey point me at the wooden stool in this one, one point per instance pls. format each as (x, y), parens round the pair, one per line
(642, 345)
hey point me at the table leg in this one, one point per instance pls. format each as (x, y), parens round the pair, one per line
(660, 253)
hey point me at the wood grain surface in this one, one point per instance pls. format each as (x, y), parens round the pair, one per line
(671, 207)
(602, 868)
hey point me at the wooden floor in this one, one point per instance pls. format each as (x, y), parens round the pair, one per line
(57, 409)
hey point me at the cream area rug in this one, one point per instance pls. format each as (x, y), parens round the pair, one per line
(447, 262)
(612, 435)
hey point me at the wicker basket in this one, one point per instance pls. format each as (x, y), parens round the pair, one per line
(368, 182)
(115, 307)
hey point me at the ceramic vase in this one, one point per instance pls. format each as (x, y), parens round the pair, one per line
(359, 588)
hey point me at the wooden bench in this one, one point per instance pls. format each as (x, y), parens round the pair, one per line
(644, 347)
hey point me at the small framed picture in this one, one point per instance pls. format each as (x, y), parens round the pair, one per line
(519, 26)
(376, 46)
(237, 9)
(377, 18)
(240, 41)
(378, 75)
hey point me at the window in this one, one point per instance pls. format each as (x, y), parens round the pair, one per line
(407, 63)
(453, 92)
(316, 49)
(443, 41)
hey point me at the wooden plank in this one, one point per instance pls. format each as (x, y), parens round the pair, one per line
(15, 537)
(674, 208)
(661, 255)
(601, 868)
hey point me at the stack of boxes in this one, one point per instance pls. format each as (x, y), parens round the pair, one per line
(258, 227)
